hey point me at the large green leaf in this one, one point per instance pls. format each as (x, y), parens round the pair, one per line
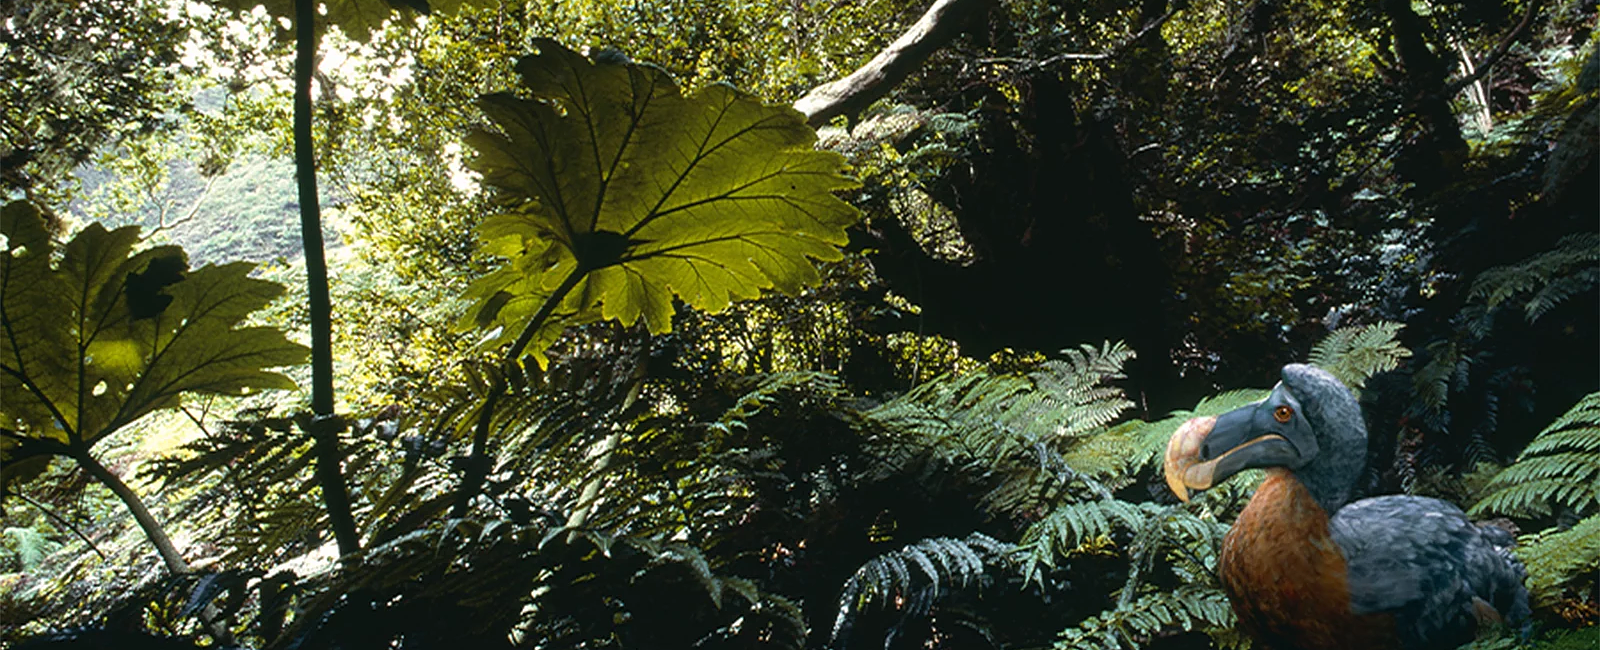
(95, 335)
(615, 180)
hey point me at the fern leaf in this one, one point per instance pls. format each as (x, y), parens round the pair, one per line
(941, 561)
(1554, 559)
(1068, 529)
(1354, 354)
(1561, 466)
(1150, 615)
(1547, 279)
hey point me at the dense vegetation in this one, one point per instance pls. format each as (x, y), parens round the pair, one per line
(617, 349)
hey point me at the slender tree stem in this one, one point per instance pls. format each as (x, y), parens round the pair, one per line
(478, 459)
(325, 426)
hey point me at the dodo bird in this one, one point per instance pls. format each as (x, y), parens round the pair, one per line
(1305, 568)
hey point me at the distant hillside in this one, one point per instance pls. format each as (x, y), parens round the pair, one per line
(250, 212)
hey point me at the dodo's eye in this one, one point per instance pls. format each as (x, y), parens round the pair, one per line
(1282, 414)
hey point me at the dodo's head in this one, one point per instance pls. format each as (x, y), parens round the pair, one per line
(1310, 424)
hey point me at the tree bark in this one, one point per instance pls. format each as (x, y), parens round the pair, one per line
(1441, 151)
(324, 427)
(850, 95)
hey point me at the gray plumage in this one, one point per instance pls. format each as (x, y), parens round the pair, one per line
(1421, 560)
(1417, 558)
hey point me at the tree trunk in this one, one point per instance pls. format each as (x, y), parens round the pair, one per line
(324, 428)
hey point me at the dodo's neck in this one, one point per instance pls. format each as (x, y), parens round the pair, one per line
(1331, 477)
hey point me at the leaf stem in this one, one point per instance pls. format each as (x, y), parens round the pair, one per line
(152, 528)
(478, 459)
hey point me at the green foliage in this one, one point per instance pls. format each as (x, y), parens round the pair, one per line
(1561, 467)
(358, 19)
(98, 335)
(80, 76)
(1146, 440)
(1075, 528)
(772, 388)
(252, 487)
(1538, 283)
(1015, 424)
(1561, 559)
(911, 578)
(1355, 353)
(1135, 623)
(29, 545)
(623, 194)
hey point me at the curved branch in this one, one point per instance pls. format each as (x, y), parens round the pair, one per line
(942, 22)
(1496, 54)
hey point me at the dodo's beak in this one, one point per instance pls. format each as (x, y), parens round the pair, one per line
(1206, 451)
(1182, 464)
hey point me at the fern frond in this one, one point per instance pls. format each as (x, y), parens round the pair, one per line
(1071, 528)
(1547, 279)
(30, 545)
(1561, 466)
(1149, 440)
(1554, 559)
(770, 387)
(1150, 615)
(914, 576)
(1010, 427)
(1354, 354)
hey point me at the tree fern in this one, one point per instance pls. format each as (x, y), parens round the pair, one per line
(1012, 425)
(1063, 397)
(768, 388)
(474, 583)
(1540, 282)
(1070, 528)
(1561, 466)
(1556, 558)
(1146, 441)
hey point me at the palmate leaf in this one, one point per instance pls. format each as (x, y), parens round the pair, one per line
(96, 335)
(623, 194)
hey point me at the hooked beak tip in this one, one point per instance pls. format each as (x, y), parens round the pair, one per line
(1182, 465)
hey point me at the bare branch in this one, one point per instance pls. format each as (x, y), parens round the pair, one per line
(942, 22)
(166, 206)
(1494, 56)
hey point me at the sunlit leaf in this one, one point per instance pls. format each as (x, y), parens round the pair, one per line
(615, 180)
(97, 335)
